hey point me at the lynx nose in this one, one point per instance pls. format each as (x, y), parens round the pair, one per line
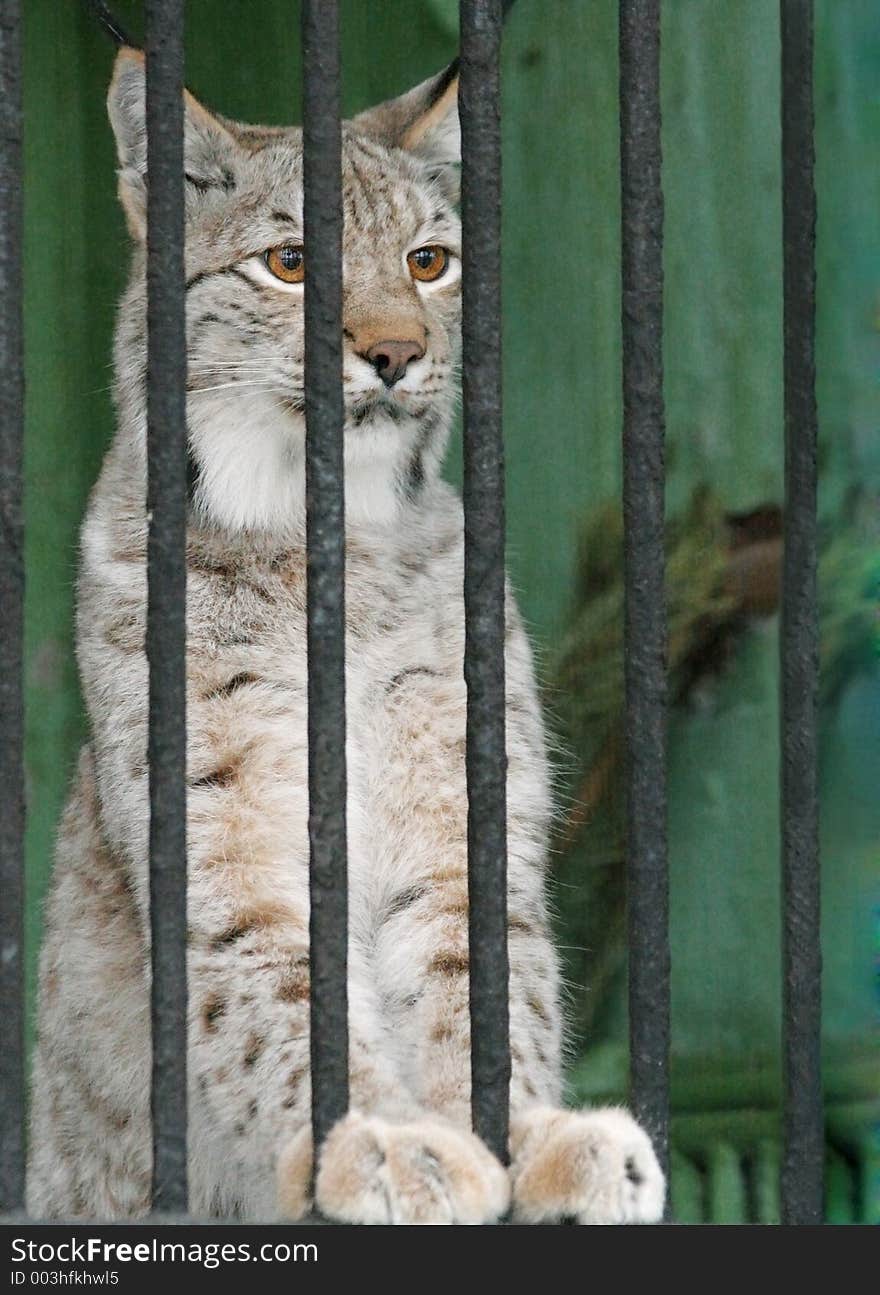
(390, 359)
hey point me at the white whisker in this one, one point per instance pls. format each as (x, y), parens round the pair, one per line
(268, 384)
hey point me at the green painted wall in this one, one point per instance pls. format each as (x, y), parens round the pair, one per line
(561, 330)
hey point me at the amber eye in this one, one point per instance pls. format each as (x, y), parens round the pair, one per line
(428, 263)
(286, 263)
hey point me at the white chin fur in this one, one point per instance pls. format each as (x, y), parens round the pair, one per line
(250, 453)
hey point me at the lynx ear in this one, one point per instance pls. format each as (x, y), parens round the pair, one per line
(209, 148)
(424, 121)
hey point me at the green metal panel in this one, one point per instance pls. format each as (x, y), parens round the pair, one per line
(561, 332)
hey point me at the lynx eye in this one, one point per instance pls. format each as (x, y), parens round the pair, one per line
(286, 263)
(428, 263)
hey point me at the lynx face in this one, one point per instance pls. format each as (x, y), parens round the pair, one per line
(245, 289)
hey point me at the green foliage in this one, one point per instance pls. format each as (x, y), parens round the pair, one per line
(589, 671)
(723, 772)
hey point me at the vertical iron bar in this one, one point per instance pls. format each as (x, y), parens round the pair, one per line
(12, 627)
(480, 112)
(166, 597)
(802, 1168)
(325, 510)
(645, 632)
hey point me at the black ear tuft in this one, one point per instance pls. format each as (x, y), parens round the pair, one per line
(110, 23)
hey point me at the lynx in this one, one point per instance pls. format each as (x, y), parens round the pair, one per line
(405, 1153)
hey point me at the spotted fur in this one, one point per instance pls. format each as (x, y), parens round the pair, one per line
(406, 1152)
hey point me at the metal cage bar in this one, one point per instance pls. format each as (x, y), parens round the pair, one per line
(166, 596)
(803, 1128)
(486, 759)
(12, 621)
(645, 631)
(325, 509)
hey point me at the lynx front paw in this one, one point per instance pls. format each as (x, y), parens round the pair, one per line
(372, 1171)
(589, 1166)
